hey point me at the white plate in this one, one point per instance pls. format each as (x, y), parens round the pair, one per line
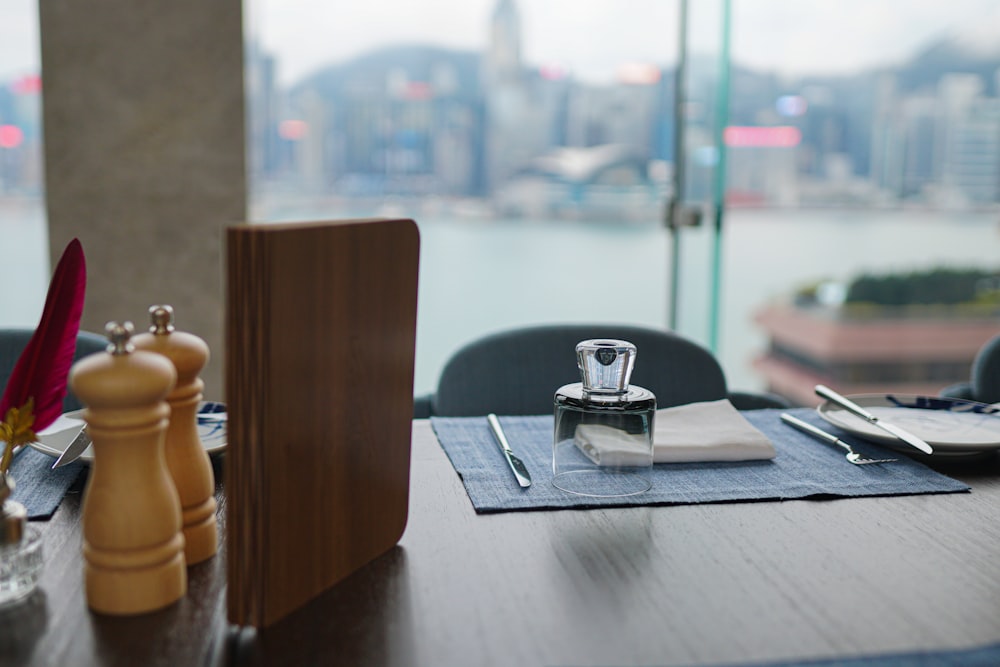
(56, 438)
(951, 426)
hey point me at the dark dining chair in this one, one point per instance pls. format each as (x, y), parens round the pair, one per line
(984, 383)
(13, 342)
(516, 372)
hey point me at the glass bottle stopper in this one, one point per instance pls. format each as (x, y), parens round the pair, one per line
(162, 318)
(605, 365)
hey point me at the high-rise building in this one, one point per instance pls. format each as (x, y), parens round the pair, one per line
(262, 116)
(515, 124)
(503, 53)
(970, 158)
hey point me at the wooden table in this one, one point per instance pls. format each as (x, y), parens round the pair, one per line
(684, 585)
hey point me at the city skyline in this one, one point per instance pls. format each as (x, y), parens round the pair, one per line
(784, 36)
(428, 119)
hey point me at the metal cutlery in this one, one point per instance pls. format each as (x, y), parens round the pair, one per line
(516, 465)
(77, 447)
(851, 406)
(820, 434)
(80, 443)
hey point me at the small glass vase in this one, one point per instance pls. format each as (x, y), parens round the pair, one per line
(20, 548)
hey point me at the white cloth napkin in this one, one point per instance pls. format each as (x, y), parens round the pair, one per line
(612, 447)
(708, 431)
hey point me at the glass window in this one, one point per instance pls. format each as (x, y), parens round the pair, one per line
(862, 193)
(534, 144)
(844, 144)
(24, 271)
(529, 145)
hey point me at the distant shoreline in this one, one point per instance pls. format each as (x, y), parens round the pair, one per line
(280, 206)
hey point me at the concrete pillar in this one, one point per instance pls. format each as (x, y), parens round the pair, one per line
(144, 154)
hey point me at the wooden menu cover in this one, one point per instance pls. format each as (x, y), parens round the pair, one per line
(320, 333)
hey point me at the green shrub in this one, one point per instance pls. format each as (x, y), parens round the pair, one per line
(938, 286)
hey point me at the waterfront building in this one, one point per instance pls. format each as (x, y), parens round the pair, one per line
(607, 181)
(904, 350)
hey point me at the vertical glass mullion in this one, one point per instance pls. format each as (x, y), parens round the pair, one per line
(721, 120)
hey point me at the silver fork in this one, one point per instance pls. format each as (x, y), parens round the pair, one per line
(852, 456)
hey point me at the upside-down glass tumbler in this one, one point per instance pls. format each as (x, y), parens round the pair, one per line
(602, 443)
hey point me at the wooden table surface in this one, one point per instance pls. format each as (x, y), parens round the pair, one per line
(682, 585)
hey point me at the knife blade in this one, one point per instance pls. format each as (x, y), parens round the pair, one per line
(77, 447)
(516, 464)
(851, 406)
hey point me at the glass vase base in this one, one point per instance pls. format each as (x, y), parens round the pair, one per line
(20, 567)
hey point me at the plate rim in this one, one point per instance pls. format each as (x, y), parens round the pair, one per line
(39, 446)
(944, 448)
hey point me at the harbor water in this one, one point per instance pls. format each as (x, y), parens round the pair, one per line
(483, 275)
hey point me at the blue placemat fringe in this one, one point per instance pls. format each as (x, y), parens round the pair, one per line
(37, 487)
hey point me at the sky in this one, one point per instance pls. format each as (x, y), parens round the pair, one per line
(591, 38)
(788, 36)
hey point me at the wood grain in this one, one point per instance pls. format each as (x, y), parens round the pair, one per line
(321, 327)
(685, 585)
(186, 457)
(55, 626)
(133, 546)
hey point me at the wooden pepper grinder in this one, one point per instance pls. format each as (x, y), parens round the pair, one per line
(187, 459)
(133, 546)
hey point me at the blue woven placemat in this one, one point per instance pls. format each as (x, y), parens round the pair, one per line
(36, 486)
(803, 468)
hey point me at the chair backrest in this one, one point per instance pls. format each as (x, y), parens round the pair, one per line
(986, 372)
(517, 372)
(13, 342)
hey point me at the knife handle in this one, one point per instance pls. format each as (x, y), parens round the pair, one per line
(810, 429)
(516, 464)
(830, 394)
(498, 432)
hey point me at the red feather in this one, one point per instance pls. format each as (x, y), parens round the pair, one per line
(43, 367)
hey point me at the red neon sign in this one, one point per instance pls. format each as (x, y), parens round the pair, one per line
(11, 136)
(782, 136)
(30, 84)
(293, 130)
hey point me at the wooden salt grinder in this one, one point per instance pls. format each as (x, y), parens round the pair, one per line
(132, 542)
(187, 459)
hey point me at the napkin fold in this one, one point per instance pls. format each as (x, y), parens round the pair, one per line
(612, 447)
(707, 431)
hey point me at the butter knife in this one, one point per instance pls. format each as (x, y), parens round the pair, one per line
(848, 404)
(75, 449)
(516, 464)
